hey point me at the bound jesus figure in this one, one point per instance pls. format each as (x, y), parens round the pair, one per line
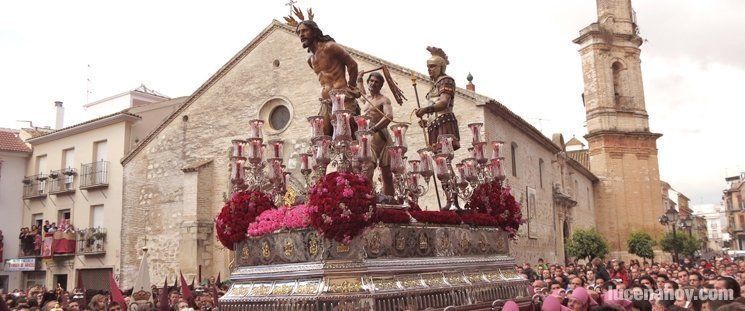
(335, 68)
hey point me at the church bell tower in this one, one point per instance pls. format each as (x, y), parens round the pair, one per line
(622, 149)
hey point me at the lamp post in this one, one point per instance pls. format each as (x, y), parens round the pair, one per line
(671, 218)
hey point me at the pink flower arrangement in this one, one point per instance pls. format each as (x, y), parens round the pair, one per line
(298, 217)
(267, 222)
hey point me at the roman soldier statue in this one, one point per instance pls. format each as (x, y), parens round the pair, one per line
(441, 99)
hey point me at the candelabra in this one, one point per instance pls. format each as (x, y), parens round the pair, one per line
(473, 171)
(248, 156)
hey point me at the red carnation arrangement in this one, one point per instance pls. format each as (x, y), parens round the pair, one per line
(232, 222)
(491, 199)
(392, 216)
(479, 219)
(345, 205)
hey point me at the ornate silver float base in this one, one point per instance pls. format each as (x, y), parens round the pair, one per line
(390, 267)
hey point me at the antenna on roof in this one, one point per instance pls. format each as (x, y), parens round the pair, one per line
(290, 4)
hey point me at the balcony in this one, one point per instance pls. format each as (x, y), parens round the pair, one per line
(94, 175)
(35, 186)
(62, 181)
(27, 250)
(92, 241)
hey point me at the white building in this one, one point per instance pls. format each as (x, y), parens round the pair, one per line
(13, 157)
(716, 223)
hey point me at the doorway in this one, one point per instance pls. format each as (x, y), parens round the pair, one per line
(60, 280)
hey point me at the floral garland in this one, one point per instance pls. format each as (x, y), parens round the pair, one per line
(498, 202)
(233, 220)
(345, 205)
(436, 217)
(392, 216)
(283, 217)
(478, 219)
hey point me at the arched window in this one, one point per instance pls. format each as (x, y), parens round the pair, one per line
(618, 81)
(540, 172)
(513, 152)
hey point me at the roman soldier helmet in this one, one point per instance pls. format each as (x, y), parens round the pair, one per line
(438, 58)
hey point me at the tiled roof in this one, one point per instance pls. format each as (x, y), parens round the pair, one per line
(9, 141)
(574, 141)
(123, 112)
(581, 156)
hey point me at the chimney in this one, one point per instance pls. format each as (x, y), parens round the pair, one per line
(470, 85)
(59, 122)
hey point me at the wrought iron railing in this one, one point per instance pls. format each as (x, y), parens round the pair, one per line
(35, 186)
(94, 175)
(28, 249)
(62, 181)
(92, 241)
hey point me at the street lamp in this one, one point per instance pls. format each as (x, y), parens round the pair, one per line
(687, 224)
(671, 218)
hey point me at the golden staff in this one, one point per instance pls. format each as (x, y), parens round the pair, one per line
(422, 123)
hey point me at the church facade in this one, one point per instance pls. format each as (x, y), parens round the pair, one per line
(177, 179)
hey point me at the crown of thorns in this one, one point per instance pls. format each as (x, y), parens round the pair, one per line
(290, 20)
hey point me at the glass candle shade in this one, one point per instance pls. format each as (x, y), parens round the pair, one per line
(415, 166)
(469, 170)
(363, 123)
(412, 181)
(342, 130)
(316, 125)
(305, 162)
(441, 168)
(461, 178)
(323, 155)
(275, 148)
(398, 131)
(255, 150)
(497, 168)
(427, 163)
(337, 103)
(446, 144)
(238, 146)
(364, 138)
(476, 132)
(496, 149)
(256, 128)
(478, 152)
(397, 160)
(237, 171)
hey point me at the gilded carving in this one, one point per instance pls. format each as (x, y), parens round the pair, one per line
(265, 251)
(400, 242)
(285, 289)
(443, 244)
(342, 248)
(261, 290)
(423, 241)
(434, 281)
(411, 282)
(245, 256)
(456, 279)
(483, 244)
(464, 242)
(345, 287)
(313, 245)
(374, 244)
(289, 248)
(306, 289)
(385, 284)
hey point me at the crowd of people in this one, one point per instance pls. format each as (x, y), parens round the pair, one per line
(183, 297)
(616, 285)
(594, 286)
(32, 238)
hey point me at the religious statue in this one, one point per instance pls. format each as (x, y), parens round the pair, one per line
(378, 108)
(331, 63)
(441, 98)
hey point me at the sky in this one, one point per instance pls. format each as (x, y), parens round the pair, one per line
(519, 52)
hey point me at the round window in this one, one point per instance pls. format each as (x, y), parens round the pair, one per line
(279, 117)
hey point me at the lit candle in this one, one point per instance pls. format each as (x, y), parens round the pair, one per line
(415, 166)
(496, 149)
(362, 122)
(365, 147)
(397, 161)
(399, 135)
(446, 144)
(354, 148)
(413, 180)
(478, 151)
(468, 168)
(337, 103)
(499, 169)
(304, 162)
(425, 155)
(276, 148)
(256, 128)
(461, 173)
(342, 130)
(236, 170)
(254, 150)
(476, 132)
(238, 147)
(316, 125)
(441, 166)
